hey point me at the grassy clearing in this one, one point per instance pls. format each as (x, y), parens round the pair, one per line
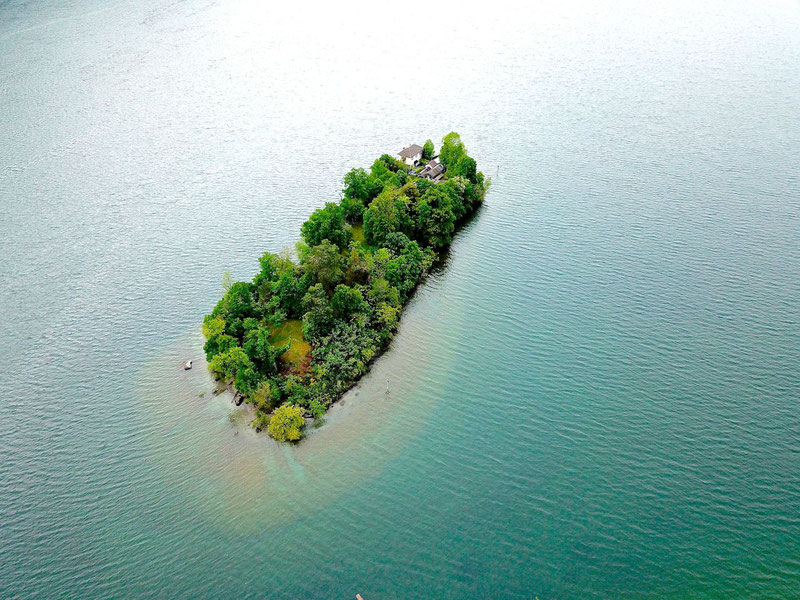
(358, 233)
(298, 356)
(358, 237)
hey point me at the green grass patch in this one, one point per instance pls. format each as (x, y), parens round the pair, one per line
(358, 233)
(358, 237)
(298, 356)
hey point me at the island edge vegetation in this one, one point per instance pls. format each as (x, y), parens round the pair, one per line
(304, 331)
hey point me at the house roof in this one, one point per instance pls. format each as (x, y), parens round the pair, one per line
(411, 151)
(432, 170)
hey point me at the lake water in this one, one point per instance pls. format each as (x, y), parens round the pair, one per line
(597, 396)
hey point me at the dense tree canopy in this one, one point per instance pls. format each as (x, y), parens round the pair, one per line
(326, 224)
(318, 318)
(360, 187)
(387, 214)
(452, 149)
(343, 295)
(466, 167)
(325, 264)
(435, 219)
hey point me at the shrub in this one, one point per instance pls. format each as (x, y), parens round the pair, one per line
(261, 421)
(286, 423)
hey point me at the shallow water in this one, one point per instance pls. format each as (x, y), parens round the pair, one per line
(596, 396)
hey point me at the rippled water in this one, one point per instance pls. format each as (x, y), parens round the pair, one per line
(596, 396)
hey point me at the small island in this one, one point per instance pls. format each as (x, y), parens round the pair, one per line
(300, 334)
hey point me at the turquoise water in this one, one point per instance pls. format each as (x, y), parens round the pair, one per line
(595, 397)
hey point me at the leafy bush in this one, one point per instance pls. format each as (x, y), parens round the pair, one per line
(286, 423)
(266, 396)
(227, 364)
(326, 224)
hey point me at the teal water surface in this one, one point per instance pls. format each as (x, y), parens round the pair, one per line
(596, 396)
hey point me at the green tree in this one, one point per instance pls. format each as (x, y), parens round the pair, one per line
(466, 167)
(274, 265)
(392, 163)
(286, 423)
(249, 324)
(387, 213)
(452, 149)
(318, 318)
(213, 326)
(236, 305)
(387, 316)
(422, 186)
(410, 189)
(352, 209)
(435, 220)
(396, 242)
(227, 364)
(427, 150)
(326, 224)
(295, 391)
(289, 290)
(404, 271)
(381, 292)
(325, 265)
(380, 259)
(316, 408)
(219, 343)
(358, 264)
(266, 396)
(475, 192)
(388, 172)
(360, 185)
(246, 380)
(261, 352)
(455, 188)
(347, 301)
(400, 274)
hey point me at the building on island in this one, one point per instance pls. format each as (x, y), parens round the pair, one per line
(411, 155)
(434, 171)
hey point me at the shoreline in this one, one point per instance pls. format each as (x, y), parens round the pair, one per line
(305, 331)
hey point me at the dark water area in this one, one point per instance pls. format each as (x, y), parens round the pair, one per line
(595, 396)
